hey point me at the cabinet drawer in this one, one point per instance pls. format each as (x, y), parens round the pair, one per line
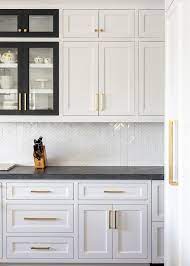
(44, 218)
(138, 191)
(40, 247)
(157, 242)
(39, 191)
(151, 23)
(157, 201)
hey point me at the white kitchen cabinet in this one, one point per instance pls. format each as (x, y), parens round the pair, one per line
(95, 237)
(130, 239)
(80, 23)
(41, 218)
(110, 191)
(117, 78)
(157, 242)
(80, 78)
(151, 78)
(40, 191)
(151, 23)
(116, 23)
(158, 201)
(40, 247)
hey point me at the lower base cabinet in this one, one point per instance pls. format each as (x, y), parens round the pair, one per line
(158, 242)
(113, 231)
(78, 222)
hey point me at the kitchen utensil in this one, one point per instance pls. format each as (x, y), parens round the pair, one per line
(47, 60)
(38, 60)
(8, 57)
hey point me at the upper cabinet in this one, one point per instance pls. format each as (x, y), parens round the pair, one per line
(29, 78)
(29, 23)
(103, 23)
(151, 23)
(116, 23)
(80, 23)
(117, 78)
(151, 78)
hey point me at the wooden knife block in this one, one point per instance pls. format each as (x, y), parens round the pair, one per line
(42, 163)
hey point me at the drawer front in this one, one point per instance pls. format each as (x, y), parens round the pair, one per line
(138, 191)
(39, 191)
(39, 247)
(44, 218)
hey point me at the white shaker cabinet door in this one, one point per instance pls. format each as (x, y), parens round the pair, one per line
(80, 23)
(80, 78)
(95, 237)
(158, 201)
(117, 78)
(117, 23)
(157, 242)
(151, 23)
(151, 78)
(130, 239)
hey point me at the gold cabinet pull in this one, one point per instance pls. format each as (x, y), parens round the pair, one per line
(19, 101)
(25, 101)
(40, 248)
(114, 191)
(102, 101)
(115, 216)
(40, 218)
(19, 30)
(40, 191)
(101, 30)
(97, 101)
(25, 30)
(171, 154)
(110, 220)
(96, 30)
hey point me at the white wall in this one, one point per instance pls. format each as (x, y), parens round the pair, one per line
(84, 143)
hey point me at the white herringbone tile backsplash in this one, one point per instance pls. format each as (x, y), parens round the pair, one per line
(84, 143)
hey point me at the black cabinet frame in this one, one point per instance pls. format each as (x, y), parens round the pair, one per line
(23, 22)
(23, 76)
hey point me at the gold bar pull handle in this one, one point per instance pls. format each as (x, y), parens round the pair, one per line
(110, 220)
(115, 216)
(97, 101)
(171, 154)
(40, 218)
(25, 101)
(40, 248)
(19, 101)
(114, 191)
(102, 101)
(40, 191)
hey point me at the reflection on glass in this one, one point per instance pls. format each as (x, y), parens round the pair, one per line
(8, 79)
(40, 23)
(8, 23)
(41, 79)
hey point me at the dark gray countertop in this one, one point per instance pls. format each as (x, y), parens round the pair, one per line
(85, 173)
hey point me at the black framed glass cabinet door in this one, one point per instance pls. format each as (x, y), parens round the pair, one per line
(29, 78)
(10, 78)
(29, 23)
(41, 88)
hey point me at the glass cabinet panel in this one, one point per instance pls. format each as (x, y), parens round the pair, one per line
(40, 23)
(41, 79)
(8, 79)
(8, 23)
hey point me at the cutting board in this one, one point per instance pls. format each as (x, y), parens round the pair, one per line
(6, 166)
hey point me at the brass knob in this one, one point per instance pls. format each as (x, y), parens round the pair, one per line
(19, 30)
(101, 30)
(96, 30)
(25, 30)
